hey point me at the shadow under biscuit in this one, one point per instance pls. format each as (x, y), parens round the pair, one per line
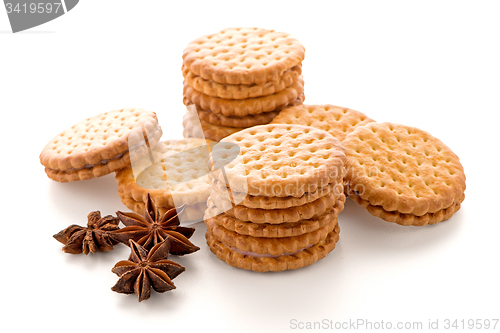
(74, 200)
(361, 230)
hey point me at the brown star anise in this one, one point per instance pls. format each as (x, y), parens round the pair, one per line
(152, 229)
(95, 237)
(144, 270)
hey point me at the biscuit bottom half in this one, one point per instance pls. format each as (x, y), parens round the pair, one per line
(265, 262)
(409, 219)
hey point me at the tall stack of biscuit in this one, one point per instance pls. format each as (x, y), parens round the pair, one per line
(274, 202)
(239, 78)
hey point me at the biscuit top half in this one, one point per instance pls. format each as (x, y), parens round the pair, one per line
(243, 55)
(98, 139)
(336, 120)
(402, 169)
(278, 160)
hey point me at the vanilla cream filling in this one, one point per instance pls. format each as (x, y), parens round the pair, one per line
(90, 166)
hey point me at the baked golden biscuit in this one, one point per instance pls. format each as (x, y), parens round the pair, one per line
(278, 160)
(409, 219)
(99, 145)
(274, 230)
(196, 128)
(263, 202)
(337, 121)
(275, 216)
(241, 91)
(264, 245)
(396, 170)
(243, 55)
(264, 263)
(244, 122)
(249, 106)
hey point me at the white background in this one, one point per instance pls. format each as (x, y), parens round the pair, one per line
(429, 64)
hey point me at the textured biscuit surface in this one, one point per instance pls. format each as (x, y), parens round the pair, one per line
(274, 230)
(409, 219)
(337, 121)
(178, 174)
(263, 202)
(241, 91)
(243, 55)
(279, 160)
(264, 245)
(403, 169)
(98, 140)
(249, 106)
(276, 264)
(275, 216)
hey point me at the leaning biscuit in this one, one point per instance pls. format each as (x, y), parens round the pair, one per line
(178, 175)
(244, 107)
(98, 145)
(279, 160)
(264, 263)
(403, 170)
(243, 55)
(192, 213)
(337, 121)
(241, 91)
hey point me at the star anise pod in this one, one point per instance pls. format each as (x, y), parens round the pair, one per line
(152, 229)
(144, 270)
(95, 237)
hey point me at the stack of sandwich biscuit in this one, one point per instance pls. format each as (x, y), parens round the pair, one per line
(239, 78)
(275, 205)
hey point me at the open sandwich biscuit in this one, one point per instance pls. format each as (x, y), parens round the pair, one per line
(100, 145)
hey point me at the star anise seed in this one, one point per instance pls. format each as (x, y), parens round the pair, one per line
(152, 229)
(95, 237)
(146, 269)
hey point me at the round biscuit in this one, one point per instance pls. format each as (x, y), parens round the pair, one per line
(265, 202)
(275, 264)
(96, 139)
(245, 121)
(243, 55)
(278, 160)
(274, 230)
(336, 120)
(402, 169)
(264, 245)
(409, 219)
(275, 216)
(249, 106)
(241, 91)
